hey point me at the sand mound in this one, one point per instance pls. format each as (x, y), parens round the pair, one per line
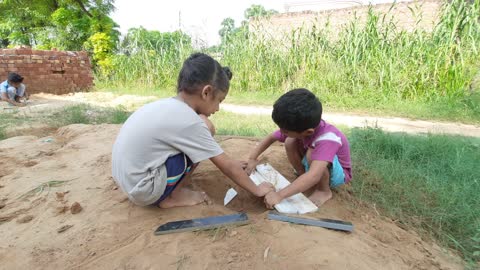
(43, 227)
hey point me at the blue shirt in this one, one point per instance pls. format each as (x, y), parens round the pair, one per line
(11, 91)
(5, 88)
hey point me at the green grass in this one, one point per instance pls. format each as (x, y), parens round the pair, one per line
(3, 133)
(138, 91)
(74, 114)
(12, 119)
(86, 114)
(227, 123)
(430, 182)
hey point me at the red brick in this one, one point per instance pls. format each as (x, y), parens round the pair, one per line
(24, 51)
(8, 52)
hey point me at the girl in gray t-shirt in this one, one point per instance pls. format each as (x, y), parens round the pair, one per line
(160, 144)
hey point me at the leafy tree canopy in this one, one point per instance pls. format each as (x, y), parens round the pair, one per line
(228, 31)
(62, 24)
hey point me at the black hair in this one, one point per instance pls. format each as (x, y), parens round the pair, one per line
(200, 69)
(14, 77)
(297, 110)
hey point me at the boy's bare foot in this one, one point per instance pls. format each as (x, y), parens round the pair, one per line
(320, 197)
(184, 197)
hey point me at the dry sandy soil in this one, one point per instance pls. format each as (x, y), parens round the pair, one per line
(39, 231)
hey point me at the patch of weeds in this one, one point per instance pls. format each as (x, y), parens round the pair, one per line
(3, 134)
(77, 114)
(430, 183)
(86, 114)
(42, 187)
(119, 115)
(252, 230)
(215, 233)
(227, 123)
(472, 102)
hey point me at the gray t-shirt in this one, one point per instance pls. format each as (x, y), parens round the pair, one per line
(152, 134)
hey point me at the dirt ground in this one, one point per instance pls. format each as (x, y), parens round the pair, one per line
(41, 229)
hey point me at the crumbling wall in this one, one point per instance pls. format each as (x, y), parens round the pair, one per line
(55, 72)
(418, 14)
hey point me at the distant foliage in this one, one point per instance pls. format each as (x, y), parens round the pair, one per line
(138, 39)
(228, 32)
(148, 59)
(61, 24)
(364, 64)
(370, 61)
(102, 47)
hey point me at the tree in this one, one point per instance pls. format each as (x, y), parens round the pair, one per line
(138, 39)
(256, 11)
(63, 24)
(227, 30)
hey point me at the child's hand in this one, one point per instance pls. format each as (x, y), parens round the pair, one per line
(264, 188)
(271, 199)
(251, 165)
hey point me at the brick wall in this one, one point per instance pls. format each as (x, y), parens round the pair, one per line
(55, 72)
(425, 15)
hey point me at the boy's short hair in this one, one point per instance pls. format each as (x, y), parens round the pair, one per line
(15, 78)
(297, 110)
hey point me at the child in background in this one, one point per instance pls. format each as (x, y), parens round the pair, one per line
(12, 90)
(159, 146)
(318, 151)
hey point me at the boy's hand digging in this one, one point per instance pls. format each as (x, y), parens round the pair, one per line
(264, 188)
(251, 165)
(271, 199)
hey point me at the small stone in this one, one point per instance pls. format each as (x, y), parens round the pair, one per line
(75, 208)
(25, 219)
(60, 196)
(30, 163)
(93, 254)
(2, 205)
(64, 228)
(233, 233)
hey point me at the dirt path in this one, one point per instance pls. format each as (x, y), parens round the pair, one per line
(392, 124)
(41, 103)
(112, 233)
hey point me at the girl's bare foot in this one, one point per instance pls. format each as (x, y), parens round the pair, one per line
(320, 197)
(183, 197)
